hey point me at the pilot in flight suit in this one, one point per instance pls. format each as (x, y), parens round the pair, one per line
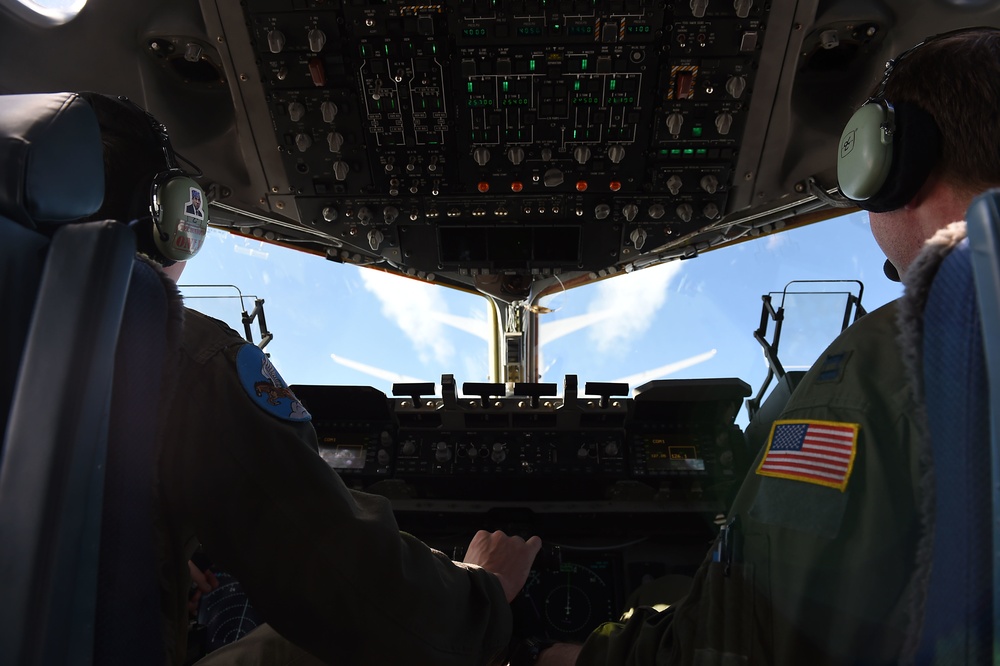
(828, 568)
(819, 563)
(240, 473)
(825, 558)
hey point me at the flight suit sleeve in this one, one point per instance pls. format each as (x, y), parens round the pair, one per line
(714, 624)
(326, 566)
(823, 561)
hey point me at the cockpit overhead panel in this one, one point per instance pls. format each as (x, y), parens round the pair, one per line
(497, 136)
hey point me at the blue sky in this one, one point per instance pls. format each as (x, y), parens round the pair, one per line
(693, 318)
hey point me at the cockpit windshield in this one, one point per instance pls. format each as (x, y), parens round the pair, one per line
(339, 324)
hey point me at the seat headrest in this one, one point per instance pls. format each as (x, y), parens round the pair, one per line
(51, 158)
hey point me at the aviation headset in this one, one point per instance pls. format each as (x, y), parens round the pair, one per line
(177, 206)
(168, 210)
(887, 150)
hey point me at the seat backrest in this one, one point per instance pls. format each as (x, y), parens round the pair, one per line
(984, 237)
(64, 288)
(961, 330)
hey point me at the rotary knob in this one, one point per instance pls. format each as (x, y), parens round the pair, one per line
(711, 211)
(709, 183)
(499, 453)
(616, 153)
(630, 212)
(317, 40)
(375, 238)
(390, 213)
(685, 212)
(295, 111)
(724, 122)
(735, 86)
(303, 142)
(340, 170)
(674, 184)
(638, 238)
(742, 7)
(581, 154)
(481, 156)
(336, 141)
(656, 211)
(674, 123)
(441, 452)
(611, 449)
(275, 41)
(553, 178)
(329, 111)
(602, 211)
(330, 213)
(364, 215)
(515, 155)
(409, 448)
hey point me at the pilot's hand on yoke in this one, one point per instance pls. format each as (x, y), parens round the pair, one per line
(509, 558)
(202, 582)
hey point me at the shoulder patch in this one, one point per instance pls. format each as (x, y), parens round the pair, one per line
(831, 369)
(266, 388)
(819, 452)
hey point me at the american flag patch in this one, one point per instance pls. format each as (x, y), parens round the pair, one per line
(820, 452)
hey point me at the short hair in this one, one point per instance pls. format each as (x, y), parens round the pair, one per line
(133, 156)
(956, 78)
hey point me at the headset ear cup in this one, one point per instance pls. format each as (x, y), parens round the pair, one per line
(916, 151)
(180, 216)
(866, 150)
(880, 175)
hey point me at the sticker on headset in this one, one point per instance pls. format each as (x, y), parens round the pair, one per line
(266, 388)
(193, 205)
(189, 237)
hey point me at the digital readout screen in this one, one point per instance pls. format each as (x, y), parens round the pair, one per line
(666, 454)
(346, 451)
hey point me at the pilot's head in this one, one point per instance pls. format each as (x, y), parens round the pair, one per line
(133, 155)
(143, 185)
(956, 79)
(931, 134)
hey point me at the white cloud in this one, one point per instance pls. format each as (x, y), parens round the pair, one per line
(774, 241)
(666, 370)
(635, 298)
(407, 303)
(378, 373)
